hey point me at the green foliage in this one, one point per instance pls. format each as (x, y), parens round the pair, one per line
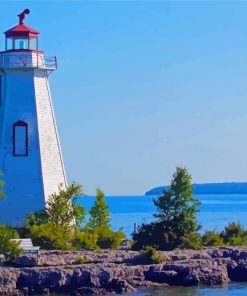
(179, 202)
(85, 241)
(2, 183)
(50, 236)
(68, 267)
(36, 218)
(176, 216)
(99, 213)
(107, 238)
(234, 234)
(80, 260)
(211, 238)
(191, 241)
(162, 235)
(8, 247)
(237, 241)
(62, 209)
(148, 256)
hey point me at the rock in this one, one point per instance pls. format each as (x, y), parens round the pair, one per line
(189, 273)
(26, 261)
(120, 286)
(113, 271)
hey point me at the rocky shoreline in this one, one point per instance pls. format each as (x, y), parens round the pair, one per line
(114, 271)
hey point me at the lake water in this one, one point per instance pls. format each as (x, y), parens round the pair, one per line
(215, 211)
(232, 289)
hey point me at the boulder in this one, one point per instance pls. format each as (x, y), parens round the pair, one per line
(26, 261)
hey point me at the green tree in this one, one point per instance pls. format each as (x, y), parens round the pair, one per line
(50, 236)
(99, 213)
(179, 202)
(176, 214)
(36, 218)
(8, 247)
(211, 238)
(2, 183)
(62, 209)
(234, 234)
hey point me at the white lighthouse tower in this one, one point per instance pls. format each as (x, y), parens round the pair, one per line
(30, 154)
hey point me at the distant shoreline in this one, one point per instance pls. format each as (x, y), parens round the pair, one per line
(209, 188)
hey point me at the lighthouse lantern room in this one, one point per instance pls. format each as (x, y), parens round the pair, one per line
(30, 153)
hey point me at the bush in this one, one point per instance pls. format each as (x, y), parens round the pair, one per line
(35, 218)
(9, 248)
(211, 238)
(80, 260)
(148, 256)
(163, 235)
(237, 241)
(234, 234)
(107, 238)
(84, 240)
(191, 241)
(49, 236)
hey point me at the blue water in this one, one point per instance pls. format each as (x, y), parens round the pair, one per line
(233, 289)
(215, 211)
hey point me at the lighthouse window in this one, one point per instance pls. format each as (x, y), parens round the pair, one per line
(21, 43)
(20, 139)
(34, 43)
(9, 44)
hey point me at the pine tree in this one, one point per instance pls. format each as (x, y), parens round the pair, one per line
(62, 207)
(175, 224)
(99, 213)
(178, 202)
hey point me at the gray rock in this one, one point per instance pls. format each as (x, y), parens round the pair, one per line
(26, 261)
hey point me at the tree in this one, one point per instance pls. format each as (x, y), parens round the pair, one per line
(50, 236)
(36, 218)
(2, 183)
(99, 213)
(175, 218)
(62, 209)
(8, 247)
(178, 201)
(234, 234)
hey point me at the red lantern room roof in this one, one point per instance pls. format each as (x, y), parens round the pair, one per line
(22, 30)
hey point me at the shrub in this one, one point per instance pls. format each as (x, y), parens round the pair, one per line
(80, 260)
(211, 238)
(68, 267)
(35, 218)
(148, 256)
(84, 240)
(234, 233)
(9, 248)
(191, 241)
(237, 241)
(163, 235)
(49, 236)
(107, 238)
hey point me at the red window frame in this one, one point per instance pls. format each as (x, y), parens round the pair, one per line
(25, 125)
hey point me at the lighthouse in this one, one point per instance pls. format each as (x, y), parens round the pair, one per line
(30, 153)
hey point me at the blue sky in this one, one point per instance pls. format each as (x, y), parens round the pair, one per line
(145, 86)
